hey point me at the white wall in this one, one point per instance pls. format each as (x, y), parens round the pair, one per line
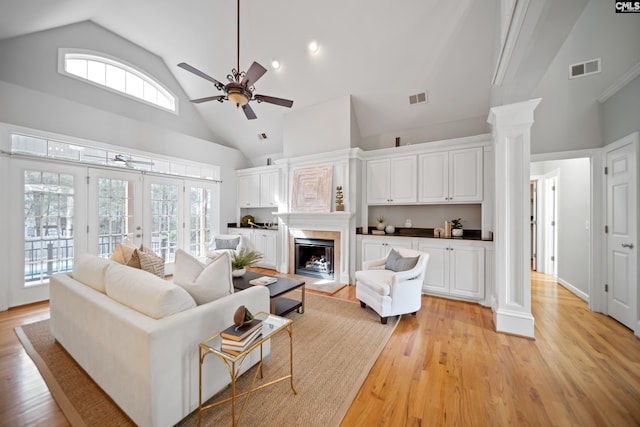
(620, 114)
(573, 216)
(568, 116)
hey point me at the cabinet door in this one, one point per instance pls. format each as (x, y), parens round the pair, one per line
(465, 175)
(249, 191)
(466, 271)
(436, 277)
(379, 247)
(269, 182)
(378, 181)
(404, 180)
(433, 182)
(265, 243)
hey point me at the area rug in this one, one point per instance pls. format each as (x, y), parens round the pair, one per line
(335, 345)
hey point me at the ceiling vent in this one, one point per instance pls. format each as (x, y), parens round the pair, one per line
(418, 98)
(584, 68)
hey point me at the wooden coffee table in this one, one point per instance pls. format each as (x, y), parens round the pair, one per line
(279, 304)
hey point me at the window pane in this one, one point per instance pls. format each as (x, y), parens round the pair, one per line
(77, 67)
(28, 145)
(96, 72)
(150, 93)
(134, 85)
(115, 78)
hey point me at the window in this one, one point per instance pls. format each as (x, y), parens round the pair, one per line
(107, 72)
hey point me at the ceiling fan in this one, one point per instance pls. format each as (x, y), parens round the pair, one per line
(240, 89)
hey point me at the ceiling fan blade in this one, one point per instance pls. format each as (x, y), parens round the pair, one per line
(248, 111)
(273, 100)
(197, 72)
(255, 72)
(209, 98)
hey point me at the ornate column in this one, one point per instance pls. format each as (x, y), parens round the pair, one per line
(511, 129)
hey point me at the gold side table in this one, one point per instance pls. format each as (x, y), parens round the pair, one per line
(271, 325)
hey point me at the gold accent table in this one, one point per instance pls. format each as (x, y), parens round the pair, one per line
(271, 325)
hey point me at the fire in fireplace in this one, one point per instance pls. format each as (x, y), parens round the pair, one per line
(314, 257)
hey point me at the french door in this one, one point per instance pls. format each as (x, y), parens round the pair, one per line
(47, 223)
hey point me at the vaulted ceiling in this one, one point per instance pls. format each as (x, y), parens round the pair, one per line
(378, 52)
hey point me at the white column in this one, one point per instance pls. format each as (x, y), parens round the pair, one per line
(511, 129)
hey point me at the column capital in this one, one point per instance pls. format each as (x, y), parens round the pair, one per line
(518, 114)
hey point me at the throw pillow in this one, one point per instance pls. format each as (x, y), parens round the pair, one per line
(396, 262)
(90, 270)
(227, 243)
(151, 262)
(204, 283)
(126, 255)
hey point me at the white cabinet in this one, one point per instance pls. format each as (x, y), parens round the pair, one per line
(377, 247)
(248, 191)
(455, 268)
(269, 183)
(451, 176)
(392, 180)
(258, 189)
(263, 241)
(266, 242)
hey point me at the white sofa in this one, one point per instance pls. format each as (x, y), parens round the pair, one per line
(148, 366)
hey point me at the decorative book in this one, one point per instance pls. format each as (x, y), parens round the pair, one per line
(264, 280)
(239, 333)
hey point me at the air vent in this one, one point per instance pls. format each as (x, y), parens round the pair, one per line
(584, 68)
(418, 98)
(262, 136)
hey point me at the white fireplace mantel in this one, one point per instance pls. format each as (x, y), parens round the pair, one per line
(319, 221)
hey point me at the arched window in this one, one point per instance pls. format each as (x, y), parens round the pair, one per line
(115, 75)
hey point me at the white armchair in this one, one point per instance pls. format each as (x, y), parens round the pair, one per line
(230, 243)
(392, 285)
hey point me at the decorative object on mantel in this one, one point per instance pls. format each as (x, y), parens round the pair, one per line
(381, 224)
(456, 230)
(312, 189)
(339, 197)
(390, 229)
(243, 258)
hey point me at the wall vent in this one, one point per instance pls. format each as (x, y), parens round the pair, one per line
(418, 98)
(585, 68)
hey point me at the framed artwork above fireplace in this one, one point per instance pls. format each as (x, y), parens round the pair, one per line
(312, 189)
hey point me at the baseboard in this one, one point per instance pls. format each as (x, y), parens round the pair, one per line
(514, 323)
(577, 292)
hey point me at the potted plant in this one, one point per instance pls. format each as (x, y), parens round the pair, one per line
(380, 220)
(243, 258)
(456, 227)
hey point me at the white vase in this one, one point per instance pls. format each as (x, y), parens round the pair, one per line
(390, 229)
(380, 226)
(239, 272)
(456, 232)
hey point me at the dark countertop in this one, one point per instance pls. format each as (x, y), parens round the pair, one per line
(424, 232)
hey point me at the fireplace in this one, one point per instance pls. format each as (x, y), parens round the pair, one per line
(314, 257)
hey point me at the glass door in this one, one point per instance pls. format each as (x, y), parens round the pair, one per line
(163, 218)
(115, 204)
(45, 230)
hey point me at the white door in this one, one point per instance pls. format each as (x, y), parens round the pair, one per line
(550, 261)
(47, 223)
(621, 237)
(163, 225)
(115, 200)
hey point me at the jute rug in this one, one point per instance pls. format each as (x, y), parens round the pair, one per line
(335, 345)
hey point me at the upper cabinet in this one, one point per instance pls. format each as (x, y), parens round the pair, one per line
(258, 189)
(451, 176)
(392, 180)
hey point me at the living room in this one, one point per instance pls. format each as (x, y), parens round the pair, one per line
(576, 118)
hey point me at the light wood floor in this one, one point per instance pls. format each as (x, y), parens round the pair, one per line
(444, 366)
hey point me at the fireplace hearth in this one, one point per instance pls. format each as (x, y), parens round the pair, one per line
(314, 257)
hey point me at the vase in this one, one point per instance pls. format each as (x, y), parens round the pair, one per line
(380, 226)
(390, 229)
(456, 232)
(239, 272)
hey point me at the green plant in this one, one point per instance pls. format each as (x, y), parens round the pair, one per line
(244, 257)
(380, 219)
(456, 223)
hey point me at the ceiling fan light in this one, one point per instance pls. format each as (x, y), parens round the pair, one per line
(313, 46)
(238, 98)
(275, 64)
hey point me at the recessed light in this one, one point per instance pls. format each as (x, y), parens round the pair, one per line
(313, 46)
(275, 64)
